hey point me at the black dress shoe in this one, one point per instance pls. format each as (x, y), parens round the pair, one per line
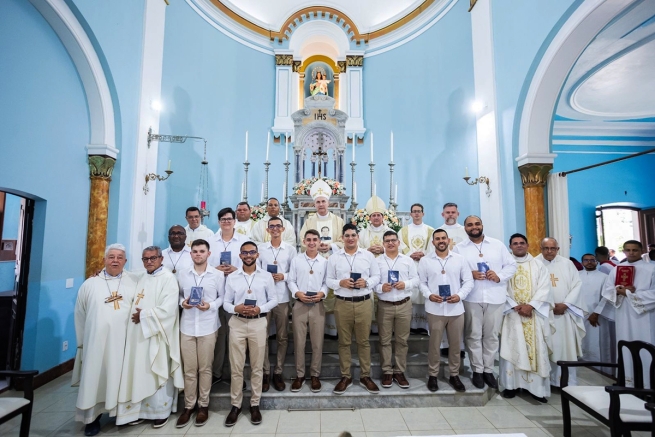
(536, 398)
(490, 379)
(255, 415)
(509, 394)
(232, 418)
(456, 383)
(477, 380)
(432, 383)
(266, 382)
(216, 379)
(93, 428)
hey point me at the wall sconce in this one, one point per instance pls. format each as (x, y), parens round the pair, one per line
(481, 180)
(156, 177)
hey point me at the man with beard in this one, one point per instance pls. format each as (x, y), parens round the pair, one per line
(456, 232)
(177, 257)
(244, 223)
(259, 230)
(492, 267)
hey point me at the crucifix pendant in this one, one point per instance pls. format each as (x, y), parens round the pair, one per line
(115, 297)
(311, 272)
(249, 291)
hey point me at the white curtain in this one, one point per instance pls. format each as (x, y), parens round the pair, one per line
(558, 212)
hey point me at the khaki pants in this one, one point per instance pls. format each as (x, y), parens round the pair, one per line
(482, 326)
(247, 334)
(310, 316)
(221, 343)
(280, 314)
(453, 326)
(394, 319)
(354, 317)
(197, 359)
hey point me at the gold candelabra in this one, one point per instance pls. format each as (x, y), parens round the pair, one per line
(481, 180)
(155, 177)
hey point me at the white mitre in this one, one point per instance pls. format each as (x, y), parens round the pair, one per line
(375, 204)
(320, 189)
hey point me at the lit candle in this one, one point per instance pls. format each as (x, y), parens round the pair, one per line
(371, 146)
(246, 146)
(268, 144)
(286, 149)
(391, 146)
(169, 164)
(466, 172)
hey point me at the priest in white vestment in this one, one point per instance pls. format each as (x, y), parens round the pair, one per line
(456, 232)
(635, 306)
(569, 309)
(152, 370)
(259, 233)
(416, 237)
(370, 238)
(102, 312)
(528, 325)
(195, 229)
(244, 224)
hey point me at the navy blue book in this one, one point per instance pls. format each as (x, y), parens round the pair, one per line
(310, 293)
(355, 276)
(226, 258)
(250, 302)
(195, 297)
(393, 277)
(444, 290)
(483, 267)
(271, 268)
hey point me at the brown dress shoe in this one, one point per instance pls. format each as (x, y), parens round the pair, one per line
(342, 385)
(255, 415)
(400, 379)
(456, 383)
(266, 382)
(369, 385)
(232, 418)
(278, 382)
(316, 384)
(184, 418)
(297, 384)
(387, 380)
(203, 415)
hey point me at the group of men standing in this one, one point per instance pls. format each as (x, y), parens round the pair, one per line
(135, 351)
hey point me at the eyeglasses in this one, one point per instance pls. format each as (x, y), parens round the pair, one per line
(416, 212)
(275, 226)
(225, 220)
(390, 241)
(152, 259)
(174, 234)
(248, 252)
(550, 249)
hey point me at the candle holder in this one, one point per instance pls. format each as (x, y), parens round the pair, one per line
(155, 177)
(245, 182)
(267, 164)
(481, 180)
(204, 213)
(392, 199)
(353, 202)
(372, 165)
(285, 204)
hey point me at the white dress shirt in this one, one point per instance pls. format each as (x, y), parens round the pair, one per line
(195, 322)
(283, 254)
(179, 261)
(201, 232)
(407, 273)
(499, 259)
(217, 245)
(260, 283)
(340, 265)
(458, 275)
(301, 280)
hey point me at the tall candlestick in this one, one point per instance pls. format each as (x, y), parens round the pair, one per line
(354, 142)
(466, 172)
(355, 191)
(268, 143)
(286, 148)
(262, 192)
(246, 146)
(395, 195)
(284, 190)
(391, 146)
(243, 191)
(372, 147)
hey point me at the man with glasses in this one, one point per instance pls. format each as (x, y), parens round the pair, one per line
(456, 232)
(275, 257)
(195, 229)
(569, 309)
(244, 223)
(177, 257)
(259, 231)
(249, 295)
(150, 381)
(398, 277)
(353, 273)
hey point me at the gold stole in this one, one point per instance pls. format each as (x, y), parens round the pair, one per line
(521, 284)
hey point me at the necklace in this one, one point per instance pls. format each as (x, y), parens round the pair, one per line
(443, 266)
(178, 260)
(249, 284)
(479, 248)
(311, 265)
(351, 264)
(114, 297)
(392, 265)
(275, 255)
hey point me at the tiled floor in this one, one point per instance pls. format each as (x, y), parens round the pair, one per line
(55, 405)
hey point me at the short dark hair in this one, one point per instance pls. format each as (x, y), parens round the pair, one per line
(472, 215)
(248, 243)
(191, 209)
(517, 235)
(325, 227)
(635, 242)
(276, 218)
(243, 203)
(312, 232)
(449, 204)
(439, 230)
(225, 211)
(272, 198)
(349, 227)
(587, 254)
(416, 204)
(199, 242)
(602, 250)
(389, 234)
(650, 245)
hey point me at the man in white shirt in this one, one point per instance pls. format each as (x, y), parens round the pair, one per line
(244, 223)
(307, 284)
(456, 232)
(195, 229)
(491, 266)
(445, 279)
(398, 277)
(198, 328)
(259, 233)
(275, 257)
(603, 257)
(352, 273)
(177, 257)
(249, 295)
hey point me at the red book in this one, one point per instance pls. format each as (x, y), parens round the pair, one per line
(625, 275)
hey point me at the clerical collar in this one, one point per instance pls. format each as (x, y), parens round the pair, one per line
(524, 258)
(156, 271)
(107, 275)
(322, 217)
(379, 228)
(412, 225)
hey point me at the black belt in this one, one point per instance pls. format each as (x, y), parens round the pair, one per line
(241, 316)
(354, 299)
(400, 302)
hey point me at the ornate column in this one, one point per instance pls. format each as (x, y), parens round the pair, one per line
(100, 167)
(533, 177)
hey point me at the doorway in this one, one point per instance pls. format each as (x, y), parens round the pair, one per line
(615, 225)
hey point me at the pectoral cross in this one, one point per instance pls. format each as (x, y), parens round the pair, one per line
(553, 280)
(115, 297)
(140, 296)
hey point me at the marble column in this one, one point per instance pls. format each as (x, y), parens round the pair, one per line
(100, 167)
(533, 177)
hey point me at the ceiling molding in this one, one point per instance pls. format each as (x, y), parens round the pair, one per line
(600, 128)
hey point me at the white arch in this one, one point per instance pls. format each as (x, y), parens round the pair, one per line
(330, 38)
(101, 110)
(539, 107)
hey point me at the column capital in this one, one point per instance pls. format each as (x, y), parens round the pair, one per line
(342, 66)
(283, 59)
(355, 60)
(101, 166)
(534, 175)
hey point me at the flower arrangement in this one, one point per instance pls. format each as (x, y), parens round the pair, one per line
(303, 187)
(257, 212)
(362, 219)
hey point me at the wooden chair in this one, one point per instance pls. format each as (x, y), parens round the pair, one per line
(619, 407)
(11, 407)
(651, 407)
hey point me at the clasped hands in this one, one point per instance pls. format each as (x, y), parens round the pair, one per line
(450, 299)
(350, 284)
(247, 310)
(302, 297)
(524, 310)
(621, 289)
(490, 275)
(386, 288)
(226, 268)
(376, 249)
(203, 306)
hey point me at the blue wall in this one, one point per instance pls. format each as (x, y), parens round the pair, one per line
(45, 125)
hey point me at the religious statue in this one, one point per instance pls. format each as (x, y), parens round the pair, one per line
(319, 85)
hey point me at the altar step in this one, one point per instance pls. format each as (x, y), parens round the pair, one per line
(415, 343)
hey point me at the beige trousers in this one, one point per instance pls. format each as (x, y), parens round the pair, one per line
(280, 314)
(481, 327)
(312, 317)
(221, 343)
(354, 318)
(453, 326)
(197, 359)
(394, 319)
(247, 334)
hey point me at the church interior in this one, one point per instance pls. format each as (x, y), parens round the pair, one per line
(118, 115)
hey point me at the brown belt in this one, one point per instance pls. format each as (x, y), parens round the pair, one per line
(400, 302)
